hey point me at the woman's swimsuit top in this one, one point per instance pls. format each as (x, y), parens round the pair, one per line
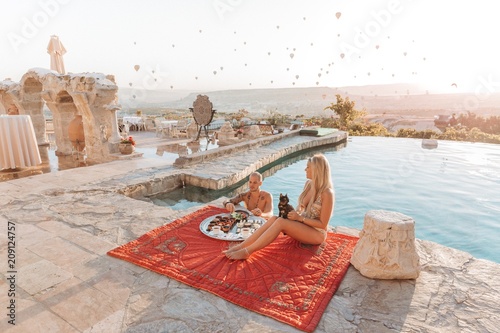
(315, 211)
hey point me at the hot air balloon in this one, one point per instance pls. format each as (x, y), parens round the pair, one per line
(136, 67)
(338, 15)
(292, 55)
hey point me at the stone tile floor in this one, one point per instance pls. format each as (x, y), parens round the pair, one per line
(64, 222)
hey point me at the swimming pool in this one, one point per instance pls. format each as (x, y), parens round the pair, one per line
(452, 192)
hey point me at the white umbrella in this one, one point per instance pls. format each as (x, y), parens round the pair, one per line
(56, 51)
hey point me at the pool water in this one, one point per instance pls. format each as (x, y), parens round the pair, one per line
(452, 192)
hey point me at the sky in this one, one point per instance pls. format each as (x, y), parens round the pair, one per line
(446, 46)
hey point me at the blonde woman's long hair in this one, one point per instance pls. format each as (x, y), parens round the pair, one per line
(321, 178)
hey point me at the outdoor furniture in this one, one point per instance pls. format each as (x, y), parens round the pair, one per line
(203, 113)
(179, 129)
(18, 145)
(141, 126)
(166, 127)
(135, 123)
(267, 129)
(158, 126)
(149, 124)
(123, 127)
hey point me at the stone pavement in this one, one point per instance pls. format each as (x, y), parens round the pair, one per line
(63, 224)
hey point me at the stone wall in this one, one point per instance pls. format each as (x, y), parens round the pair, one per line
(90, 95)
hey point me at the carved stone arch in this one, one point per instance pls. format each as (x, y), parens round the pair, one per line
(8, 99)
(63, 112)
(90, 95)
(31, 102)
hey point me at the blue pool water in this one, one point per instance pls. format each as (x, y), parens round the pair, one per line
(452, 192)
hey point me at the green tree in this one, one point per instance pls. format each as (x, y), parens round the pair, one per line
(346, 112)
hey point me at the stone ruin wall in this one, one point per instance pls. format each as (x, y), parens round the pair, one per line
(91, 95)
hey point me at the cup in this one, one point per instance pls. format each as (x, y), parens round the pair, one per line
(245, 232)
(216, 229)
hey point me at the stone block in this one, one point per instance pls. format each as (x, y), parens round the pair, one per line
(386, 247)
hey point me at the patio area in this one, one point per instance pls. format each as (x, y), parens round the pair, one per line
(64, 223)
(148, 145)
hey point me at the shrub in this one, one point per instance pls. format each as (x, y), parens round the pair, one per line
(372, 129)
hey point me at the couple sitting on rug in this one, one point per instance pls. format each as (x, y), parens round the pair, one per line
(307, 224)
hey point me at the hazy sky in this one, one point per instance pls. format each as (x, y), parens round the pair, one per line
(236, 44)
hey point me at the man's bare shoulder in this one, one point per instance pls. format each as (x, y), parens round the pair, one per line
(266, 194)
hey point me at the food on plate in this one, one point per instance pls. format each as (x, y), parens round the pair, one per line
(240, 215)
(231, 225)
(225, 223)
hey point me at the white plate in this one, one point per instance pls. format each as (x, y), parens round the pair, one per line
(233, 234)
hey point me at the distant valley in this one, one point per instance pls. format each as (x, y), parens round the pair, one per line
(398, 99)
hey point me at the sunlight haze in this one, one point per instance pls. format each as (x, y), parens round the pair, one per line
(444, 46)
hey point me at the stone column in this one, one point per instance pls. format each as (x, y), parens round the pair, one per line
(115, 131)
(386, 247)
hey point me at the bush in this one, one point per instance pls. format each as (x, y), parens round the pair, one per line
(482, 130)
(346, 112)
(490, 125)
(413, 133)
(377, 129)
(372, 129)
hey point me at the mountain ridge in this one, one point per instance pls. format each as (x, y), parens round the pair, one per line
(393, 98)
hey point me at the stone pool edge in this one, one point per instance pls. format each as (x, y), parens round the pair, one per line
(213, 170)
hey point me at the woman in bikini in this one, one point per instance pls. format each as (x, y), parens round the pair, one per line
(307, 224)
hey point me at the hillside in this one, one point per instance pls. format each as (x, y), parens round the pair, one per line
(381, 99)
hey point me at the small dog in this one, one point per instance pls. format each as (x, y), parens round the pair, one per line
(284, 207)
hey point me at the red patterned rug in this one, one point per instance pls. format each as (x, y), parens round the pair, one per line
(288, 281)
